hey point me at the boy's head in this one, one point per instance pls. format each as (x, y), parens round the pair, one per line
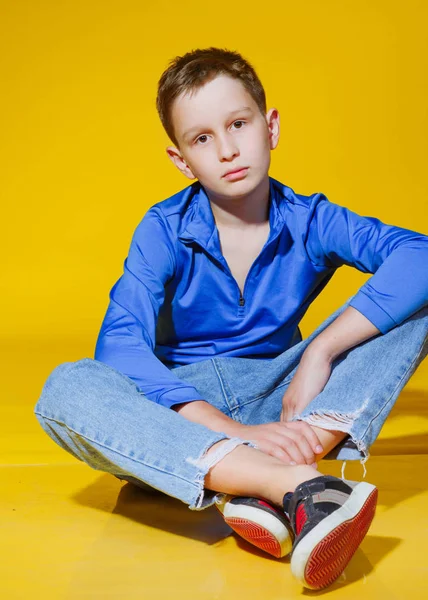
(213, 108)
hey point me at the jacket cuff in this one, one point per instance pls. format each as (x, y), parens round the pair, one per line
(179, 395)
(365, 305)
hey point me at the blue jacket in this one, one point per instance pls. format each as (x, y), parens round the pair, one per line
(177, 301)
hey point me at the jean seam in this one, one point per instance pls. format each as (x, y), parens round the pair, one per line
(393, 392)
(224, 385)
(120, 453)
(267, 393)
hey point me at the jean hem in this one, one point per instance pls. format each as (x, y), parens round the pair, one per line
(117, 452)
(205, 463)
(333, 420)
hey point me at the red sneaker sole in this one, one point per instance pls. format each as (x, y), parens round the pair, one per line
(329, 558)
(256, 535)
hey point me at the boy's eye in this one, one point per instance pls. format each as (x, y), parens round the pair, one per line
(199, 138)
(204, 136)
(238, 122)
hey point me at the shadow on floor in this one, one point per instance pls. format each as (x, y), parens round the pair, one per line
(156, 509)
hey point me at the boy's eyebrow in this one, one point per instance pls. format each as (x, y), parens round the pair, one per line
(199, 127)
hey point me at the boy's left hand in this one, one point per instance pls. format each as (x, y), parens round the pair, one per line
(311, 376)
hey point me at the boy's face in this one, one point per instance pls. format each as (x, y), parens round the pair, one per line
(219, 129)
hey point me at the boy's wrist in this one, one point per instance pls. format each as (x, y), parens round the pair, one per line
(202, 412)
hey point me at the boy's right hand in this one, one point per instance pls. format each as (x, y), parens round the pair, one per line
(292, 442)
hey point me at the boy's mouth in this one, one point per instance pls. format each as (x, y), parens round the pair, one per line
(236, 174)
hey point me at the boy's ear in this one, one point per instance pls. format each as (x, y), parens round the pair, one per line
(272, 119)
(178, 160)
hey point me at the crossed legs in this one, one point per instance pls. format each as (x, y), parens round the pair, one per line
(247, 471)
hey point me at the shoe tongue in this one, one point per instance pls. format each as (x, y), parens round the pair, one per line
(286, 503)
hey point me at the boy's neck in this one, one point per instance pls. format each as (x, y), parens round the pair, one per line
(242, 213)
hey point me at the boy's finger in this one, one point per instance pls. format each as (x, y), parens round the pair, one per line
(299, 438)
(278, 452)
(310, 435)
(297, 447)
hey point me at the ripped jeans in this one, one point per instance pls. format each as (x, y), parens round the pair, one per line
(100, 417)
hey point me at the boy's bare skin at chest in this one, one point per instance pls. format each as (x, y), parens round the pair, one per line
(241, 247)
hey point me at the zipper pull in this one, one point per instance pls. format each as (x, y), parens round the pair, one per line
(241, 301)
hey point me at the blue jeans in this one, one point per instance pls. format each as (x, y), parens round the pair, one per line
(98, 415)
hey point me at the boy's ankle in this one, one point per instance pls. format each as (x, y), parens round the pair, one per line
(288, 479)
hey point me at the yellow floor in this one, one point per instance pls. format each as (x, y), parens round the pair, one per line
(69, 532)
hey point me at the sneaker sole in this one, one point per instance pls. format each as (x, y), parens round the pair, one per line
(322, 555)
(259, 528)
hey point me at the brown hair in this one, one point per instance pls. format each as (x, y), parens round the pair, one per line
(190, 72)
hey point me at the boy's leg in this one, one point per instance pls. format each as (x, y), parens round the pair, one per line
(365, 383)
(99, 416)
(363, 386)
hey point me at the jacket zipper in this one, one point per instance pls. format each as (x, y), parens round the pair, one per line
(241, 301)
(225, 268)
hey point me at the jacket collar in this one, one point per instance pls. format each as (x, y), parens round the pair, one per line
(199, 223)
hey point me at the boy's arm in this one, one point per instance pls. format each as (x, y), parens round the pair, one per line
(349, 329)
(398, 258)
(204, 413)
(127, 337)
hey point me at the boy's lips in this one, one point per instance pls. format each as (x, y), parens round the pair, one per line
(236, 173)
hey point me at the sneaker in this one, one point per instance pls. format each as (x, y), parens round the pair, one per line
(330, 518)
(258, 522)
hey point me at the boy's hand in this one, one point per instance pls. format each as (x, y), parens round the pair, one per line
(311, 376)
(290, 442)
(293, 443)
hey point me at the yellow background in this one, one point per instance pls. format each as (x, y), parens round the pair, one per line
(83, 150)
(82, 157)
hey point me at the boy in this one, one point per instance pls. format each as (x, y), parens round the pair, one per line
(201, 381)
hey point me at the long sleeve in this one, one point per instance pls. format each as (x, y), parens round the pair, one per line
(397, 257)
(127, 337)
